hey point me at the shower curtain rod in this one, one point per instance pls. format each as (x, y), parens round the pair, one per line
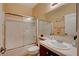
(15, 14)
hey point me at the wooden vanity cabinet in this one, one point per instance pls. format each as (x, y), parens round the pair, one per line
(46, 52)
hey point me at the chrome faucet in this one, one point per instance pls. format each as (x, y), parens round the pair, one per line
(60, 41)
(51, 36)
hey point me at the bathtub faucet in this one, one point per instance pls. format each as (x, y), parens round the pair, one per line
(2, 50)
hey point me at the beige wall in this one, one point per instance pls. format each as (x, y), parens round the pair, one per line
(60, 12)
(17, 9)
(40, 9)
(11, 17)
(43, 10)
(0, 6)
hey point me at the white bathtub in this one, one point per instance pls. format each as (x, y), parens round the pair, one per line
(22, 51)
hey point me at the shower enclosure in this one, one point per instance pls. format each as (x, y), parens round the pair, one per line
(19, 33)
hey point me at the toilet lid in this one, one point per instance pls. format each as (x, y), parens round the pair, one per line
(33, 48)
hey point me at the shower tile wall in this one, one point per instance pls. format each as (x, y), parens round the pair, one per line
(19, 33)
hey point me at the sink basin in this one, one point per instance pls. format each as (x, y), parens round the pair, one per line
(58, 45)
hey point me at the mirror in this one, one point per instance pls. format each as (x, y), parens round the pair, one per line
(70, 24)
(63, 20)
(45, 27)
(63, 23)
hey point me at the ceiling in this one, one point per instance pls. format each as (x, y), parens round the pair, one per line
(30, 5)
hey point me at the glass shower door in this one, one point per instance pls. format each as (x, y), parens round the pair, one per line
(29, 32)
(14, 34)
(20, 33)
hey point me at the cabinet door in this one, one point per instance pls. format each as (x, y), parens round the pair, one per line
(43, 51)
(46, 52)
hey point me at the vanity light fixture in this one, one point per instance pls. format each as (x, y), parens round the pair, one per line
(53, 4)
(56, 5)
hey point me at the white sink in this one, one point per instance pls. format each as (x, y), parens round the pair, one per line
(58, 45)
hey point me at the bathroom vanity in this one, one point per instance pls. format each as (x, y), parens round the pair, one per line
(47, 49)
(46, 52)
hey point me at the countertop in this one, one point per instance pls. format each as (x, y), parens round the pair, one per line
(61, 52)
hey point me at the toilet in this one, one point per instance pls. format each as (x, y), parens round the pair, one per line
(33, 51)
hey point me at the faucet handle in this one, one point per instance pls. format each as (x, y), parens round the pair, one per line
(2, 50)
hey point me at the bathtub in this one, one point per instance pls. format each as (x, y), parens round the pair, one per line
(22, 51)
